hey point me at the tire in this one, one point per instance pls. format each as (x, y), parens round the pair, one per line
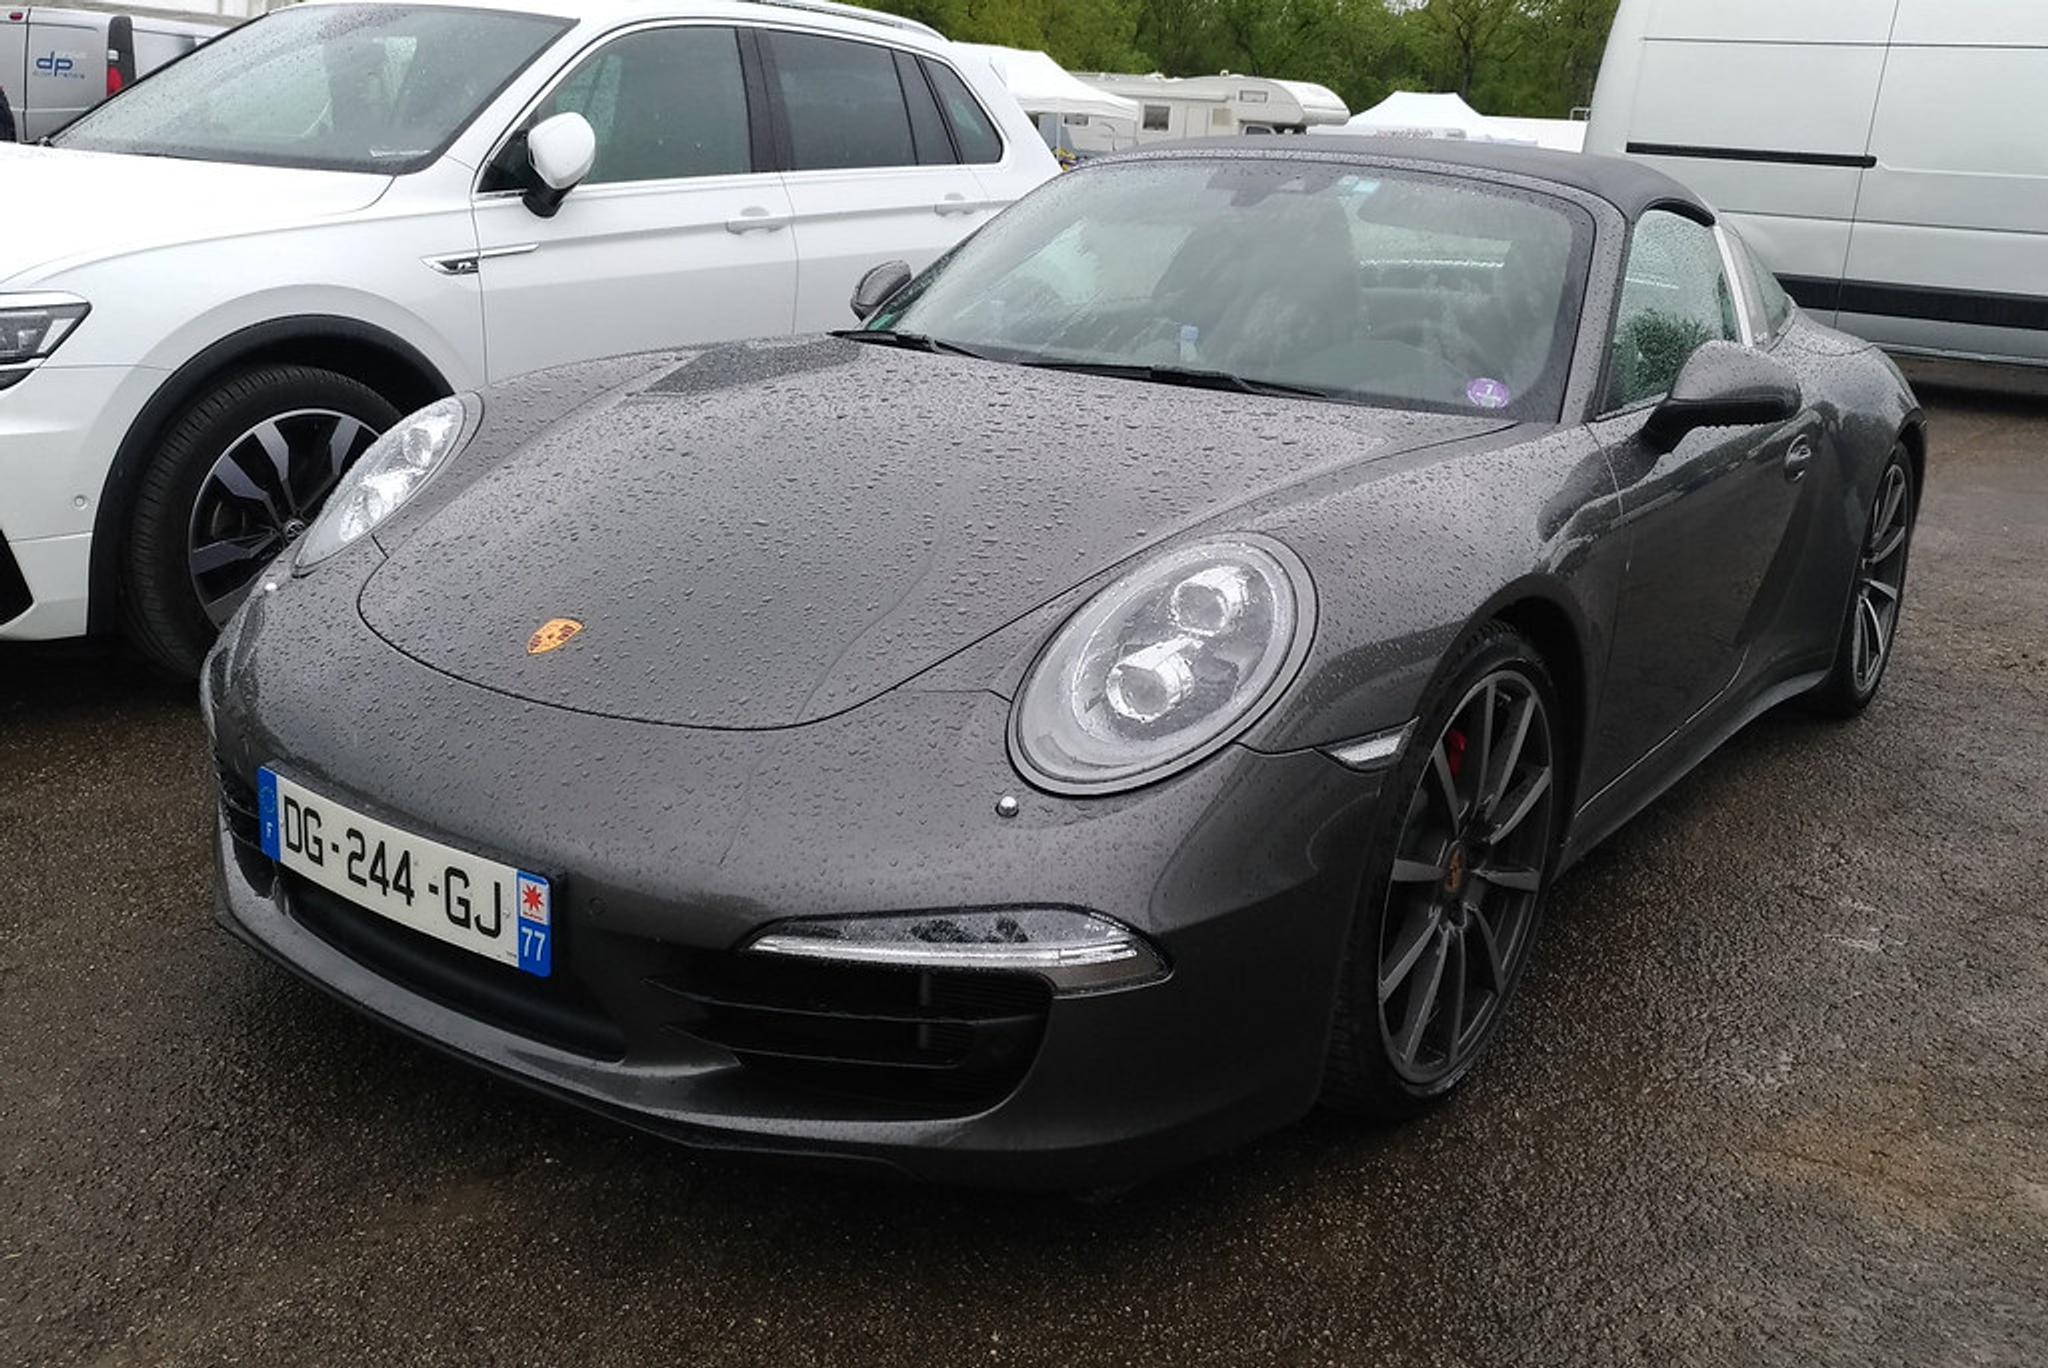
(1426, 882)
(318, 415)
(1855, 677)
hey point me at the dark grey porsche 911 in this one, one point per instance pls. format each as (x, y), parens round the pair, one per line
(1141, 684)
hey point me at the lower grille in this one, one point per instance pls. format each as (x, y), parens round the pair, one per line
(557, 1010)
(15, 598)
(238, 805)
(939, 1042)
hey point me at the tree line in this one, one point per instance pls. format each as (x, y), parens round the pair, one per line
(1534, 58)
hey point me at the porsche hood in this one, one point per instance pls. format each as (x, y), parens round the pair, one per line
(767, 535)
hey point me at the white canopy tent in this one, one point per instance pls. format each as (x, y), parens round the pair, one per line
(1095, 120)
(1415, 114)
(1565, 135)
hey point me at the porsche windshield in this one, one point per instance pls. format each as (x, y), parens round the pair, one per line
(1274, 274)
(379, 88)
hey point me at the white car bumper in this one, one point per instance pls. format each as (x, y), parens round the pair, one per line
(59, 430)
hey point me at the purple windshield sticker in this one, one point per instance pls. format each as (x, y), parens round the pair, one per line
(1488, 394)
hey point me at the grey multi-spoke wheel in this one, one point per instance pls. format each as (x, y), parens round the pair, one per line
(1455, 882)
(1881, 579)
(1872, 628)
(1467, 871)
(260, 494)
(236, 478)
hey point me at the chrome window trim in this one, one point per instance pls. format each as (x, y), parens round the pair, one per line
(1738, 287)
(771, 22)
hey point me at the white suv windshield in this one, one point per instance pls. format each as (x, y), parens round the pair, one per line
(343, 87)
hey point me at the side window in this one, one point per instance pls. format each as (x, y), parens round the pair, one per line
(666, 104)
(1675, 296)
(1158, 118)
(844, 103)
(979, 142)
(927, 125)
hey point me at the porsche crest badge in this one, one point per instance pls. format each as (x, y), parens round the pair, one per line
(553, 635)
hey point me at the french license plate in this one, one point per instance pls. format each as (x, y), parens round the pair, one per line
(479, 905)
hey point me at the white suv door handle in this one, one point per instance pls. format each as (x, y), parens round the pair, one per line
(755, 219)
(955, 203)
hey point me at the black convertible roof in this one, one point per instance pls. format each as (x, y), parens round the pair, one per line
(1629, 186)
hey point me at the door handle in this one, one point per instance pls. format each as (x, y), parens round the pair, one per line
(955, 203)
(755, 219)
(1797, 457)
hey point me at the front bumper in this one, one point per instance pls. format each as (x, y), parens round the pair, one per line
(59, 431)
(672, 847)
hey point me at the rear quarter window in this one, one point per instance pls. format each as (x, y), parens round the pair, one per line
(972, 127)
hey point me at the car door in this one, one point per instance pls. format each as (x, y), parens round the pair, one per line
(873, 171)
(1798, 625)
(680, 234)
(1709, 523)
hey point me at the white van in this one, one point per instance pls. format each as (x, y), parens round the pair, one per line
(1885, 157)
(57, 63)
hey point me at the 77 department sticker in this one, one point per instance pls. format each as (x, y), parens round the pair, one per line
(536, 924)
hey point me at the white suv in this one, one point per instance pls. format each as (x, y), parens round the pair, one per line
(218, 288)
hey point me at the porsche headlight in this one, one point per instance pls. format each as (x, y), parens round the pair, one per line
(1164, 666)
(385, 476)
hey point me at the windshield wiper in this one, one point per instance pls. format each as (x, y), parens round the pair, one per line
(1182, 375)
(909, 341)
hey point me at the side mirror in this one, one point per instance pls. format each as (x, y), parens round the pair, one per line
(562, 150)
(1723, 385)
(876, 286)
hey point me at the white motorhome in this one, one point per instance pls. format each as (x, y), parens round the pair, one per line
(1205, 106)
(1072, 116)
(57, 63)
(1885, 157)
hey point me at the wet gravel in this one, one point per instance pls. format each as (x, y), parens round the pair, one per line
(1776, 1092)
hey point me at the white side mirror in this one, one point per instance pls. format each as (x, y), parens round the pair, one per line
(562, 150)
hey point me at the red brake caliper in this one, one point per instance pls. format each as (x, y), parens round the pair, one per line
(1454, 751)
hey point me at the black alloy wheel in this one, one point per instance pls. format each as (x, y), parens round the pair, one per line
(233, 480)
(259, 496)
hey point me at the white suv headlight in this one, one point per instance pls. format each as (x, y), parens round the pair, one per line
(1164, 666)
(394, 468)
(31, 327)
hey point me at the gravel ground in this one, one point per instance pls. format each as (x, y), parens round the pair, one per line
(1775, 1093)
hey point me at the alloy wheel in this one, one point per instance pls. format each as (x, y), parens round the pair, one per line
(1881, 579)
(260, 494)
(1468, 871)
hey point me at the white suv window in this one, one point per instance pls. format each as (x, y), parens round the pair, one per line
(979, 141)
(844, 102)
(666, 104)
